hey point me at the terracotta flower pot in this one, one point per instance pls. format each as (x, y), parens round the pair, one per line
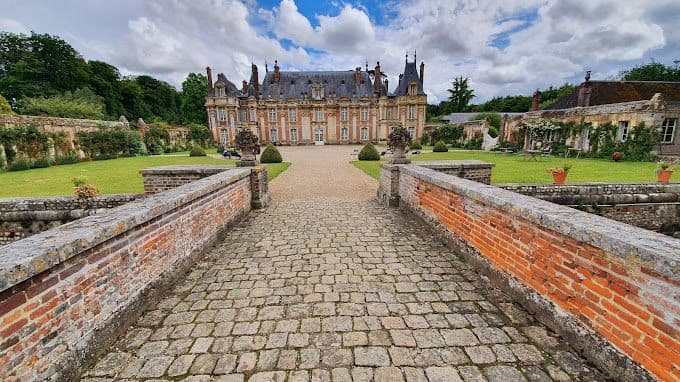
(617, 156)
(664, 176)
(559, 177)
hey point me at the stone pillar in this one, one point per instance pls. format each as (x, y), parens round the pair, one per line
(259, 185)
(388, 190)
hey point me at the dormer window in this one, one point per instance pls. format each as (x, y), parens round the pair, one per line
(413, 88)
(219, 91)
(317, 92)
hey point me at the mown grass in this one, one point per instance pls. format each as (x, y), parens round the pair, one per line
(513, 168)
(111, 176)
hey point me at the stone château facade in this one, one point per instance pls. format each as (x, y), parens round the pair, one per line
(308, 107)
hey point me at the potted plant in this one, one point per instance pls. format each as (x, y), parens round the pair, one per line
(398, 139)
(247, 142)
(559, 174)
(664, 172)
(617, 156)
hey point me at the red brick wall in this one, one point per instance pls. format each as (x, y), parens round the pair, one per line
(52, 322)
(625, 300)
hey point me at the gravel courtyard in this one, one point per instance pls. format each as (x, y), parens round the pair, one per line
(327, 285)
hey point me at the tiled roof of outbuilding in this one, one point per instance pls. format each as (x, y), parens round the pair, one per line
(606, 92)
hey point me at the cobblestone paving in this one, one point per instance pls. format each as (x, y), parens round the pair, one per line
(336, 290)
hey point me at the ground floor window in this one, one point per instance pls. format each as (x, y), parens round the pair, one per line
(344, 134)
(293, 135)
(274, 135)
(412, 132)
(224, 137)
(318, 135)
(668, 130)
(622, 134)
(364, 134)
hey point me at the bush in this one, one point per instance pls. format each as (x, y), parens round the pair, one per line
(104, 157)
(112, 141)
(415, 145)
(20, 164)
(368, 152)
(82, 103)
(83, 189)
(197, 151)
(440, 147)
(71, 158)
(271, 155)
(41, 162)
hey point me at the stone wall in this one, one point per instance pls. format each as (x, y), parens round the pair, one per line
(651, 206)
(608, 288)
(67, 293)
(23, 217)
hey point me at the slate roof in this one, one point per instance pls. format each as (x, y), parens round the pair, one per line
(606, 92)
(229, 86)
(410, 74)
(340, 83)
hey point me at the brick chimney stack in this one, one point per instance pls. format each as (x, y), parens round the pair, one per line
(378, 79)
(277, 74)
(209, 72)
(244, 87)
(401, 77)
(387, 86)
(255, 79)
(357, 75)
(536, 100)
(422, 73)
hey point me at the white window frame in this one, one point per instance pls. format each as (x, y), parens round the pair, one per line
(223, 114)
(292, 114)
(623, 130)
(364, 113)
(318, 114)
(412, 112)
(412, 132)
(224, 137)
(243, 115)
(274, 135)
(344, 134)
(344, 114)
(664, 130)
(363, 134)
(293, 135)
(272, 114)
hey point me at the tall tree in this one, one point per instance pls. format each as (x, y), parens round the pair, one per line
(162, 99)
(460, 95)
(105, 82)
(654, 71)
(194, 91)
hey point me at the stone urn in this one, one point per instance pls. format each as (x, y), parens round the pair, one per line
(247, 142)
(398, 139)
(399, 155)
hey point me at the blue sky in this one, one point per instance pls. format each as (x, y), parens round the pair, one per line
(504, 47)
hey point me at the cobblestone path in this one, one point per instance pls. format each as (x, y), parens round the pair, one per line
(336, 290)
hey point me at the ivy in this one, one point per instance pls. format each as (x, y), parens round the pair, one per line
(26, 141)
(109, 142)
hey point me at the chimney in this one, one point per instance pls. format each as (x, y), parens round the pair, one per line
(254, 78)
(387, 86)
(584, 92)
(210, 84)
(401, 77)
(277, 74)
(378, 79)
(357, 75)
(244, 87)
(422, 73)
(536, 100)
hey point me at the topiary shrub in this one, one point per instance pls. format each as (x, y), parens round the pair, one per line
(415, 145)
(271, 155)
(440, 147)
(41, 162)
(197, 151)
(368, 152)
(20, 164)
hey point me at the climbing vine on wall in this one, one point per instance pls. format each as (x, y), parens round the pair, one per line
(637, 147)
(27, 142)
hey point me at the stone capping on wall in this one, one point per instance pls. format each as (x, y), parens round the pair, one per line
(600, 193)
(657, 252)
(26, 258)
(42, 121)
(468, 164)
(198, 170)
(65, 205)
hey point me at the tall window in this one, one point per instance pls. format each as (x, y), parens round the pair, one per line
(412, 132)
(412, 112)
(253, 114)
(364, 134)
(274, 135)
(224, 137)
(413, 89)
(223, 114)
(318, 115)
(364, 113)
(272, 115)
(292, 115)
(293, 135)
(668, 130)
(219, 91)
(243, 115)
(344, 115)
(622, 134)
(344, 134)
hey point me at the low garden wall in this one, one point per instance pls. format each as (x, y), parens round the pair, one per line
(610, 289)
(67, 293)
(23, 217)
(651, 206)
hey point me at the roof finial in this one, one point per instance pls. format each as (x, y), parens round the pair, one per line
(415, 56)
(407, 56)
(366, 66)
(266, 68)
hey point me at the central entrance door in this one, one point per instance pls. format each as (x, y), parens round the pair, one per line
(318, 136)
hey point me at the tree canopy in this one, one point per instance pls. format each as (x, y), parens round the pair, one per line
(654, 71)
(460, 95)
(194, 91)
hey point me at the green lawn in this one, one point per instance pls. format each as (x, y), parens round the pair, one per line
(111, 176)
(515, 169)
(275, 169)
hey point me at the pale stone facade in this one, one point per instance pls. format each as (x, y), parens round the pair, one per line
(335, 107)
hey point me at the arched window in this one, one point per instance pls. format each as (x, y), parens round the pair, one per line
(413, 88)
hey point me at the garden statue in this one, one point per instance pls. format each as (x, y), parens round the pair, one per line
(398, 139)
(247, 142)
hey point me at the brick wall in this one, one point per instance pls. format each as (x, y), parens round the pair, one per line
(162, 178)
(609, 288)
(23, 217)
(67, 293)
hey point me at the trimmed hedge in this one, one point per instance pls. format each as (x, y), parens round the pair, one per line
(369, 152)
(271, 155)
(197, 151)
(415, 145)
(440, 147)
